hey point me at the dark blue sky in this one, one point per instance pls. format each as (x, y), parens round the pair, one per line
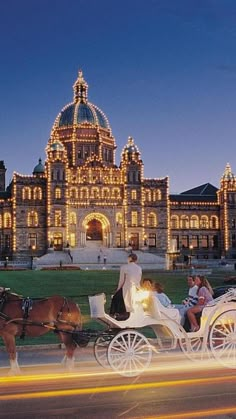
(163, 72)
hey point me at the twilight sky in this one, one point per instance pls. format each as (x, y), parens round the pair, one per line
(163, 71)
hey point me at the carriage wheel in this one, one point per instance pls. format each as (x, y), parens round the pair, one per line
(222, 338)
(100, 349)
(191, 347)
(129, 353)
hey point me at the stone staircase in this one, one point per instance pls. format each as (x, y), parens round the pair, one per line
(98, 258)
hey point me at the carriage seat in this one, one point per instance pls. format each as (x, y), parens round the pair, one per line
(97, 311)
(156, 310)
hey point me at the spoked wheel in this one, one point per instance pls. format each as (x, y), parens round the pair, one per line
(129, 353)
(191, 347)
(100, 349)
(222, 338)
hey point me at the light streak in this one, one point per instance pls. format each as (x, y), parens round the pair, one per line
(115, 388)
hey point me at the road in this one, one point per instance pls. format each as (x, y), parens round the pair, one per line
(173, 387)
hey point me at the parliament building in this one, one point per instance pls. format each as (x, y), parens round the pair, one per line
(79, 196)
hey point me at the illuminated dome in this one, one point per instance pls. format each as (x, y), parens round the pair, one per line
(130, 147)
(81, 111)
(39, 168)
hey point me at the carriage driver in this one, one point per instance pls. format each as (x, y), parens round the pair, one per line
(129, 282)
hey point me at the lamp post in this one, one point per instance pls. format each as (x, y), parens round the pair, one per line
(191, 254)
(32, 248)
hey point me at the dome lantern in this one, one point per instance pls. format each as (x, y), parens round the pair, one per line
(80, 89)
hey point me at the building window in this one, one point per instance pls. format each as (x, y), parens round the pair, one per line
(57, 193)
(184, 221)
(95, 193)
(233, 223)
(195, 242)
(58, 218)
(152, 219)
(118, 218)
(73, 218)
(32, 219)
(148, 196)
(7, 241)
(37, 193)
(72, 240)
(204, 242)
(84, 193)
(185, 241)
(194, 222)
(105, 193)
(174, 222)
(7, 222)
(157, 195)
(152, 240)
(175, 243)
(73, 193)
(26, 193)
(204, 223)
(214, 222)
(134, 218)
(133, 194)
(0, 220)
(32, 241)
(116, 193)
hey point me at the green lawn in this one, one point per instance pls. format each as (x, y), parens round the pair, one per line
(79, 284)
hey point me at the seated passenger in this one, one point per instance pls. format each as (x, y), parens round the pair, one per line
(147, 284)
(190, 301)
(162, 297)
(205, 295)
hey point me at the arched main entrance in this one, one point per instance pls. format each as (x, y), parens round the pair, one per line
(96, 230)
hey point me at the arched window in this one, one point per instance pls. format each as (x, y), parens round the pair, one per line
(148, 196)
(58, 220)
(214, 222)
(26, 193)
(95, 193)
(105, 193)
(84, 193)
(194, 221)
(57, 193)
(174, 222)
(184, 221)
(7, 222)
(37, 193)
(204, 223)
(116, 193)
(134, 218)
(119, 218)
(156, 196)
(73, 193)
(133, 194)
(73, 218)
(32, 219)
(152, 219)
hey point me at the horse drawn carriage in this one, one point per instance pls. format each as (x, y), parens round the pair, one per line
(124, 345)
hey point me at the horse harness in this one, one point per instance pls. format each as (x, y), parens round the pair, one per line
(27, 305)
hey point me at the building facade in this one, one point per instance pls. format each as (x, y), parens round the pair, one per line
(79, 197)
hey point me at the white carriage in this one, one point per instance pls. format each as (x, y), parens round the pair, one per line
(125, 348)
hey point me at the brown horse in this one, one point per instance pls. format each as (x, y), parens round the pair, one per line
(25, 317)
